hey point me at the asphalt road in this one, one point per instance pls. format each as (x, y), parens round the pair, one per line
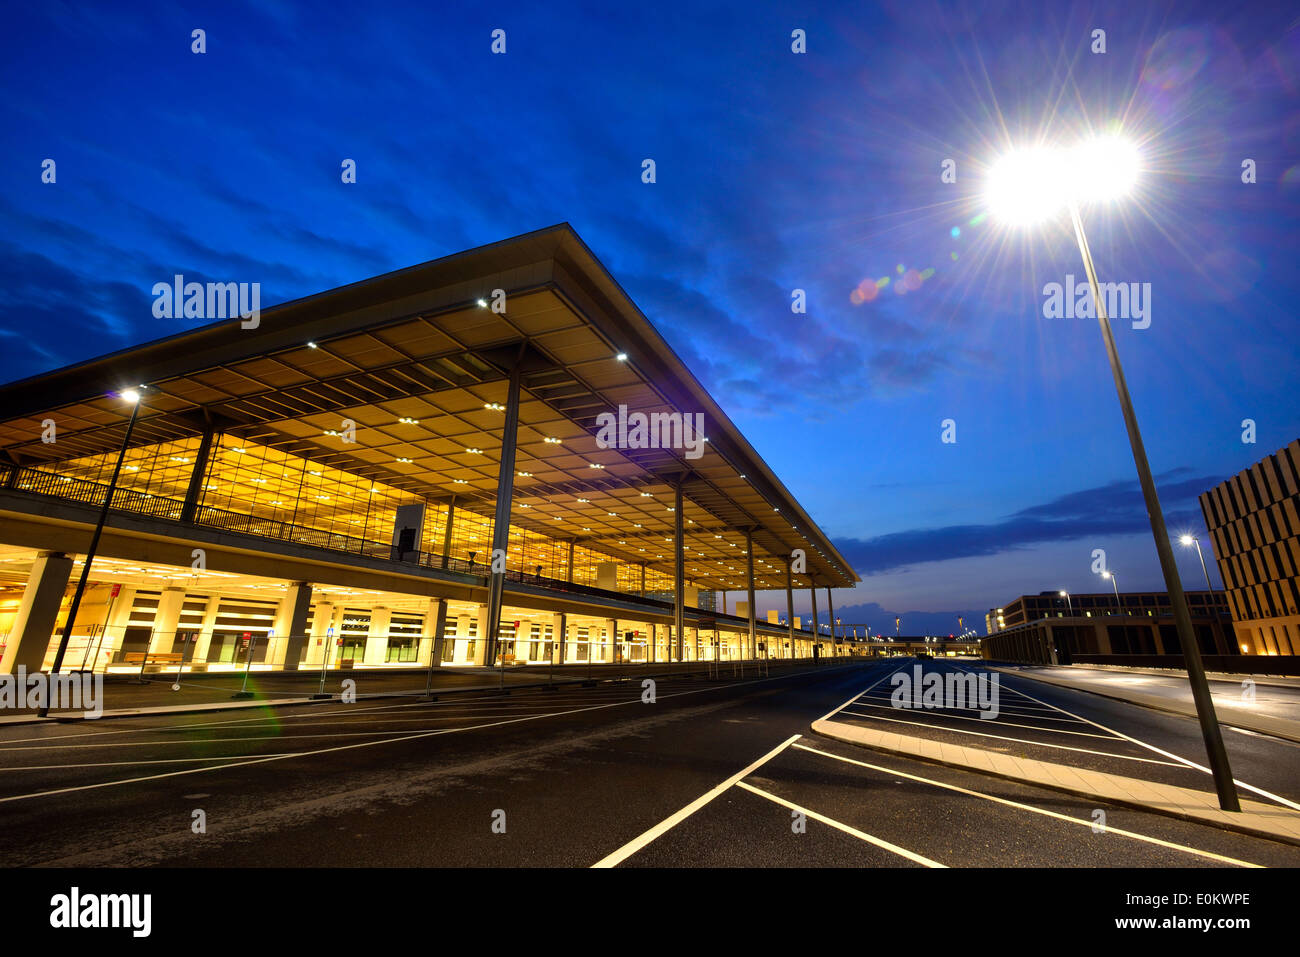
(712, 773)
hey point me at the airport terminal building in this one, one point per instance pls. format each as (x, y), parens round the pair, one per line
(489, 458)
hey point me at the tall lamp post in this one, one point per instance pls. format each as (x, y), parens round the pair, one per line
(1068, 603)
(132, 396)
(1033, 185)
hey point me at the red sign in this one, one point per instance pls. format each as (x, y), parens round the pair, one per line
(117, 590)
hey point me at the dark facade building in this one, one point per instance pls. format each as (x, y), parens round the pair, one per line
(1052, 627)
(1254, 523)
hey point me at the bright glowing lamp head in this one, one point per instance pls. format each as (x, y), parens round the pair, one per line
(131, 395)
(1105, 167)
(1025, 187)
(1187, 539)
(1105, 574)
(1030, 185)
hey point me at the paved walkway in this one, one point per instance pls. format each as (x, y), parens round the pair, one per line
(1273, 710)
(1261, 820)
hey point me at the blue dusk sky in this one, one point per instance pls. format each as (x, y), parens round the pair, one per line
(775, 171)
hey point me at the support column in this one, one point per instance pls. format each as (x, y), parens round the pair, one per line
(480, 641)
(654, 641)
(198, 477)
(749, 592)
(569, 579)
(377, 636)
(816, 626)
(204, 644)
(559, 625)
(38, 613)
(611, 626)
(115, 624)
(435, 630)
(789, 606)
(166, 619)
(643, 579)
(679, 574)
(291, 625)
(830, 611)
(322, 620)
(501, 521)
(446, 532)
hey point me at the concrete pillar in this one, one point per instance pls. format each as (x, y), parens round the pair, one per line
(322, 620)
(377, 636)
(609, 653)
(749, 591)
(166, 619)
(789, 604)
(194, 494)
(38, 613)
(433, 639)
(679, 573)
(559, 624)
(204, 644)
(480, 645)
(501, 519)
(830, 613)
(115, 622)
(816, 626)
(291, 626)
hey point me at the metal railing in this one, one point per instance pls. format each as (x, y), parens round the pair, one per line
(39, 482)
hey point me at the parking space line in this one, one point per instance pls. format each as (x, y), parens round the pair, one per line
(663, 827)
(988, 723)
(840, 826)
(1040, 744)
(1187, 849)
(1151, 747)
(404, 736)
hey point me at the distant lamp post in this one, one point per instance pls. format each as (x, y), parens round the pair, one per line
(133, 397)
(1119, 610)
(1033, 185)
(1068, 604)
(1188, 540)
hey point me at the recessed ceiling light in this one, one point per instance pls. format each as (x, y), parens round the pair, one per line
(621, 357)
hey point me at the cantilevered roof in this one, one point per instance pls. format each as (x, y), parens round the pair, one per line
(416, 345)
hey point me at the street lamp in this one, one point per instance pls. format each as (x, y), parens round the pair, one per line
(1192, 540)
(1119, 609)
(1033, 185)
(1068, 604)
(131, 396)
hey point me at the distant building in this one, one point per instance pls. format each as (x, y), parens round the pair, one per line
(1051, 627)
(1254, 523)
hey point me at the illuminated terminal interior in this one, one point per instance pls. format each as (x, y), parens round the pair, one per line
(326, 489)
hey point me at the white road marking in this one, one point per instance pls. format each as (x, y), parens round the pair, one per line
(1151, 747)
(667, 824)
(406, 736)
(1086, 822)
(861, 835)
(1002, 737)
(988, 723)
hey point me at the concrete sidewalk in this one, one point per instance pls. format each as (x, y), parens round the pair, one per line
(125, 697)
(1257, 819)
(1233, 713)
